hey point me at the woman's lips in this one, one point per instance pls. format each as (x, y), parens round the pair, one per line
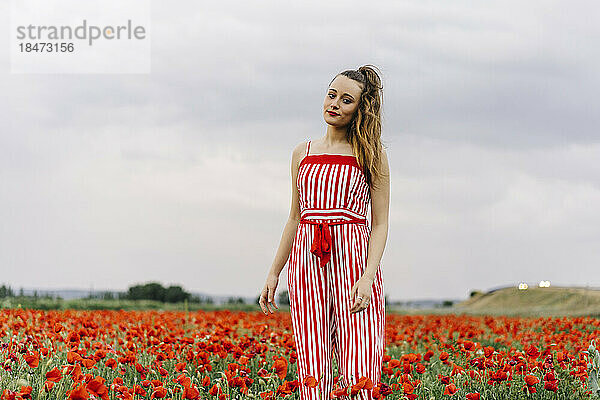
(332, 114)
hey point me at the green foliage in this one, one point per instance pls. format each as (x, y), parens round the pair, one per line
(29, 302)
(175, 294)
(108, 296)
(235, 300)
(593, 358)
(149, 296)
(283, 298)
(6, 291)
(155, 291)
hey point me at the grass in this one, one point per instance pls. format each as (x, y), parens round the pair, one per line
(536, 301)
(533, 302)
(98, 304)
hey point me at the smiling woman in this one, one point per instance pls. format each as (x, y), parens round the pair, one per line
(335, 281)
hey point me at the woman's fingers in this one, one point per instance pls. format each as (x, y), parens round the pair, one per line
(356, 296)
(271, 301)
(263, 296)
(269, 305)
(355, 305)
(360, 304)
(267, 297)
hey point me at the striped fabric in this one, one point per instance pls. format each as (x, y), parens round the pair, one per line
(334, 200)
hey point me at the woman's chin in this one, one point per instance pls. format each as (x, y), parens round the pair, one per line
(333, 121)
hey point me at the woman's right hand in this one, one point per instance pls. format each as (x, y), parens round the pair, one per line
(267, 296)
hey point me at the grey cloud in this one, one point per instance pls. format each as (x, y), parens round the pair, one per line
(485, 106)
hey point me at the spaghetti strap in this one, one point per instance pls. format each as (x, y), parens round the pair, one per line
(307, 147)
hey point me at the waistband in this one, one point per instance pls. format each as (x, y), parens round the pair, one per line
(332, 216)
(322, 218)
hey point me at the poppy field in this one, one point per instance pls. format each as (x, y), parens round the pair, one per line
(247, 355)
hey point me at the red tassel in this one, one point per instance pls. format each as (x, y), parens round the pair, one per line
(321, 245)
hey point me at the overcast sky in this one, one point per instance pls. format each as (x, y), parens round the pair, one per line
(182, 175)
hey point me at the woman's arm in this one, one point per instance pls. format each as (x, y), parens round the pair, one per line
(289, 231)
(380, 209)
(267, 296)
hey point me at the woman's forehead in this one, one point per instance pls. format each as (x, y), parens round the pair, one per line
(345, 85)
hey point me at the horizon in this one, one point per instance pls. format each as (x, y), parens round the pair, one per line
(221, 295)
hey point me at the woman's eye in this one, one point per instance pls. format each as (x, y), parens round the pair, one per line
(346, 100)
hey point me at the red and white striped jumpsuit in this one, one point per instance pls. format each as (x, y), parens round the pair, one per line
(329, 254)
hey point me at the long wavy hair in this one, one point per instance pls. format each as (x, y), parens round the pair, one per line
(364, 131)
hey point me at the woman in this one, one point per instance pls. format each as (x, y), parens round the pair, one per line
(335, 280)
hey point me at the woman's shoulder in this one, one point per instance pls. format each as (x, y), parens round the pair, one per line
(298, 153)
(300, 148)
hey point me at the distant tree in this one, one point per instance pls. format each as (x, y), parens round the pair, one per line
(447, 303)
(6, 291)
(148, 291)
(155, 291)
(176, 294)
(283, 298)
(21, 292)
(108, 296)
(200, 299)
(235, 300)
(208, 300)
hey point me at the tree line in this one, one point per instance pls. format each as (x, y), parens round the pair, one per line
(147, 291)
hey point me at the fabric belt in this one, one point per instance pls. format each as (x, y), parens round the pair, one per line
(321, 244)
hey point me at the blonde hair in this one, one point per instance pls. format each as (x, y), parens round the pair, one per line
(364, 131)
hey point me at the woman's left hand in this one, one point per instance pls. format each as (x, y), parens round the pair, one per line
(362, 288)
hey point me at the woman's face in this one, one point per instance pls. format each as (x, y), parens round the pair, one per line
(341, 101)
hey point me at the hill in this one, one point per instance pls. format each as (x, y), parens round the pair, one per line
(542, 301)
